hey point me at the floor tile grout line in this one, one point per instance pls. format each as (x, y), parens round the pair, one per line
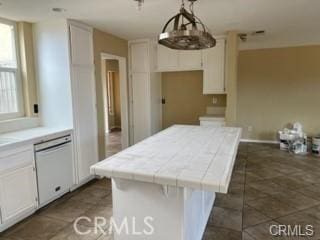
(275, 219)
(244, 193)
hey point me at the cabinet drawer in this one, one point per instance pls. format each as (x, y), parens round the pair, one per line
(13, 159)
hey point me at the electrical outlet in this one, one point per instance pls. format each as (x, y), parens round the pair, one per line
(214, 100)
(250, 128)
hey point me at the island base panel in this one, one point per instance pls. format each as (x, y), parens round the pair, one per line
(173, 212)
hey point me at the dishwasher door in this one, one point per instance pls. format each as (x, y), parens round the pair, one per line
(54, 172)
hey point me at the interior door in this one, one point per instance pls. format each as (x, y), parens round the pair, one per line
(84, 100)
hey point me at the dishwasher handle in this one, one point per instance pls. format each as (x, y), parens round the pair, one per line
(53, 149)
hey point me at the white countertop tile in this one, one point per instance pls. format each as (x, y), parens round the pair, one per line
(185, 156)
(32, 135)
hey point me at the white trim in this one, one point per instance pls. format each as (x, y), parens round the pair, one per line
(78, 24)
(275, 45)
(258, 141)
(123, 95)
(17, 71)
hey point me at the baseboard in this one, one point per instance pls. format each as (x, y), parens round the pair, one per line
(83, 182)
(258, 141)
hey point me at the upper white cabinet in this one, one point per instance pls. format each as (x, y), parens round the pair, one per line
(140, 51)
(214, 69)
(168, 59)
(18, 185)
(177, 60)
(189, 60)
(211, 61)
(79, 38)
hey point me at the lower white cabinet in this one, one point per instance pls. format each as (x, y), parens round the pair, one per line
(212, 123)
(18, 187)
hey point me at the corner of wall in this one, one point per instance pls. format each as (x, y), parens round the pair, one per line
(232, 48)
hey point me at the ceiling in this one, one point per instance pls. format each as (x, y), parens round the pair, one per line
(287, 22)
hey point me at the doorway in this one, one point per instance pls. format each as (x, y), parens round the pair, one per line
(114, 83)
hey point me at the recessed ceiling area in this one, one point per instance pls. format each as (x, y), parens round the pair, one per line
(286, 22)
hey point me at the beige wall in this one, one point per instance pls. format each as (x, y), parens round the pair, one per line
(115, 119)
(25, 35)
(104, 43)
(231, 77)
(184, 99)
(276, 87)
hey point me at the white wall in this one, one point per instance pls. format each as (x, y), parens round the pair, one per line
(51, 40)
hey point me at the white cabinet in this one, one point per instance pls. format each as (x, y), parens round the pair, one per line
(211, 61)
(140, 50)
(214, 69)
(141, 101)
(145, 90)
(177, 60)
(84, 100)
(66, 86)
(168, 59)
(18, 186)
(213, 121)
(190, 60)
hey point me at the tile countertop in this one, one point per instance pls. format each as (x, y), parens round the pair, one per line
(31, 135)
(196, 157)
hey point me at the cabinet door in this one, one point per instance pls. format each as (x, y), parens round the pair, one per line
(168, 59)
(84, 101)
(81, 42)
(214, 68)
(190, 60)
(141, 106)
(85, 120)
(139, 57)
(18, 187)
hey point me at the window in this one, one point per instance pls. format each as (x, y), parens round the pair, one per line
(10, 82)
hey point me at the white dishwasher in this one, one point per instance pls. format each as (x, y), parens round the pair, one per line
(54, 166)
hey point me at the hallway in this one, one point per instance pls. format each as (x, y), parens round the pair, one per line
(113, 142)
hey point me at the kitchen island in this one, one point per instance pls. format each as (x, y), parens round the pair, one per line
(170, 178)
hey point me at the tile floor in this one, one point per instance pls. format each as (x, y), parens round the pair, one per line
(113, 142)
(268, 187)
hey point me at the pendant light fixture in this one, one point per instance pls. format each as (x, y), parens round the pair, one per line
(188, 33)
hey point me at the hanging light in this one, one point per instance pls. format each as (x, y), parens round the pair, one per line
(188, 33)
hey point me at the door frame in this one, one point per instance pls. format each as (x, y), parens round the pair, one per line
(123, 94)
